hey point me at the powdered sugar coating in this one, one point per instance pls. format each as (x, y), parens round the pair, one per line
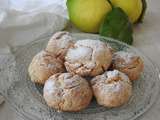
(116, 73)
(43, 65)
(59, 44)
(128, 63)
(112, 89)
(126, 56)
(79, 53)
(111, 74)
(67, 92)
(88, 58)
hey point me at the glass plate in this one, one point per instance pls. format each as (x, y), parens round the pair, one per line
(26, 97)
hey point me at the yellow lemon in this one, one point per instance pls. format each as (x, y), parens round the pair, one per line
(133, 8)
(87, 15)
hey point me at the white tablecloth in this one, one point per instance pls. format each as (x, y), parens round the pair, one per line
(147, 39)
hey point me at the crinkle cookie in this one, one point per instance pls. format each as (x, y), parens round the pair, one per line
(67, 92)
(59, 44)
(88, 58)
(43, 65)
(128, 63)
(112, 89)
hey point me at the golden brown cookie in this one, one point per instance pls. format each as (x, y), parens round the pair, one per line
(43, 65)
(67, 92)
(88, 58)
(112, 89)
(128, 63)
(59, 43)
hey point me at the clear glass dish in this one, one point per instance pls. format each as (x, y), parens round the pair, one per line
(26, 97)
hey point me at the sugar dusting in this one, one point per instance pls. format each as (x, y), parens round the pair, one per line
(80, 53)
(49, 86)
(65, 41)
(111, 88)
(111, 74)
(116, 86)
(124, 55)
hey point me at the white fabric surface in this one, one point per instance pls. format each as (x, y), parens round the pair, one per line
(146, 36)
(22, 21)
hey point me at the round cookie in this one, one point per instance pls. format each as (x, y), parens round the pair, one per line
(59, 43)
(88, 58)
(112, 89)
(67, 92)
(128, 63)
(43, 65)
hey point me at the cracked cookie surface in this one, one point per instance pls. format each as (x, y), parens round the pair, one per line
(112, 89)
(59, 44)
(67, 92)
(88, 58)
(43, 65)
(128, 63)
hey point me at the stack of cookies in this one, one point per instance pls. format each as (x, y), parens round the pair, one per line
(65, 63)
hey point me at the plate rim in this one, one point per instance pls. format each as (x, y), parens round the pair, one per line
(146, 108)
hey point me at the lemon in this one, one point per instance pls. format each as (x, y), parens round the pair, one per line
(133, 8)
(87, 15)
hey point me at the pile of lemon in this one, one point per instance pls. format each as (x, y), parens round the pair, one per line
(87, 15)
